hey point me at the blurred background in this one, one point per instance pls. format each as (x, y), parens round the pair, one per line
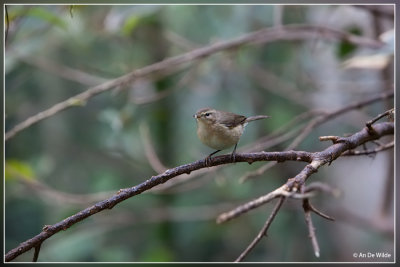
(122, 137)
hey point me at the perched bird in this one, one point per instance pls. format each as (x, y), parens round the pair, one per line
(220, 129)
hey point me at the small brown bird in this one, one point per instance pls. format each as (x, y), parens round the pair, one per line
(220, 129)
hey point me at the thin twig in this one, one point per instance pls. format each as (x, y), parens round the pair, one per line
(320, 213)
(180, 41)
(370, 151)
(333, 138)
(227, 216)
(311, 229)
(322, 187)
(378, 224)
(263, 231)
(280, 87)
(290, 32)
(37, 251)
(65, 72)
(279, 192)
(283, 133)
(380, 116)
(149, 150)
(184, 81)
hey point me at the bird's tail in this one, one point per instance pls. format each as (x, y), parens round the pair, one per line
(258, 117)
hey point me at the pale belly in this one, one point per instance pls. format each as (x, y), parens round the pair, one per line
(219, 137)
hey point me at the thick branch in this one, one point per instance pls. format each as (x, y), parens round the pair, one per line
(317, 159)
(123, 194)
(333, 152)
(320, 119)
(291, 32)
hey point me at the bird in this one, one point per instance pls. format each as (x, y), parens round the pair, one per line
(221, 129)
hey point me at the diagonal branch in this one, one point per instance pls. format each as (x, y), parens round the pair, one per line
(333, 152)
(315, 160)
(318, 212)
(263, 231)
(126, 193)
(65, 72)
(318, 159)
(320, 119)
(279, 192)
(289, 32)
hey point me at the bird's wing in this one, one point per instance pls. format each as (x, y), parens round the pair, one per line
(230, 119)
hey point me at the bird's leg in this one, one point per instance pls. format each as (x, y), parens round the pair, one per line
(208, 158)
(233, 155)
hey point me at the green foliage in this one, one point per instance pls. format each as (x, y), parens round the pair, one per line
(345, 48)
(17, 169)
(157, 254)
(42, 13)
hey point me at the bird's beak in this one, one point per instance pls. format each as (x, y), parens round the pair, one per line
(195, 116)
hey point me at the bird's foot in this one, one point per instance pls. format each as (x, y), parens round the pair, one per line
(233, 157)
(208, 161)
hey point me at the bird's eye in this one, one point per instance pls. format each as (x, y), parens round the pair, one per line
(207, 114)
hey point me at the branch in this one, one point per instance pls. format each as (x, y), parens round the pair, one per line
(318, 212)
(333, 152)
(279, 192)
(263, 231)
(322, 187)
(149, 149)
(378, 10)
(36, 253)
(383, 226)
(275, 138)
(281, 87)
(389, 113)
(315, 159)
(290, 32)
(126, 193)
(45, 192)
(296, 184)
(311, 229)
(318, 159)
(370, 151)
(182, 83)
(307, 208)
(65, 72)
(320, 119)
